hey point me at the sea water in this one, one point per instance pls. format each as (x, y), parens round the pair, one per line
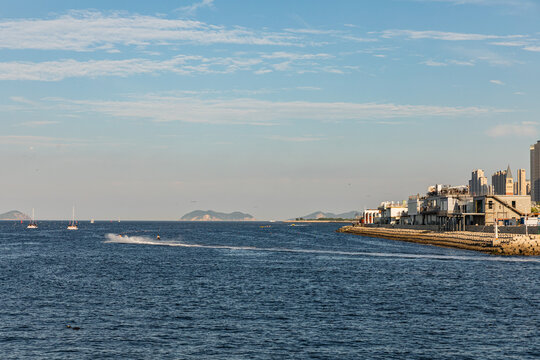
(242, 291)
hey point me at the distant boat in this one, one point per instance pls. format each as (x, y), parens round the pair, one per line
(73, 225)
(92, 221)
(33, 223)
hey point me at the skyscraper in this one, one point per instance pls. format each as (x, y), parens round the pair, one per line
(478, 185)
(503, 182)
(535, 171)
(520, 186)
(498, 181)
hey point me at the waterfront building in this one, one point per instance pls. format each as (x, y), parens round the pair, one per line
(371, 216)
(503, 182)
(414, 205)
(478, 185)
(452, 208)
(535, 172)
(392, 212)
(442, 206)
(506, 209)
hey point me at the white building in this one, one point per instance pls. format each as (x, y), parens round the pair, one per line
(393, 212)
(371, 216)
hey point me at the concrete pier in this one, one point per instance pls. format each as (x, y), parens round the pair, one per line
(506, 244)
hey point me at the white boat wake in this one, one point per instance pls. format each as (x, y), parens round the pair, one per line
(146, 240)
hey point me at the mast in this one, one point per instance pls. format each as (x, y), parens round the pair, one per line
(72, 225)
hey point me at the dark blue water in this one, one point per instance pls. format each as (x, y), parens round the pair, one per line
(246, 292)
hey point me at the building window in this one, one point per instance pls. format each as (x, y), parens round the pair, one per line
(490, 204)
(513, 204)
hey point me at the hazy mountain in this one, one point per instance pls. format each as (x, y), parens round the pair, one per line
(329, 215)
(209, 215)
(14, 215)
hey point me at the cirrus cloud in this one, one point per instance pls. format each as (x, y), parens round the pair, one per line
(444, 35)
(257, 112)
(91, 30)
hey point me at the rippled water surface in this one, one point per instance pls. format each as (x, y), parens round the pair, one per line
(239, 291)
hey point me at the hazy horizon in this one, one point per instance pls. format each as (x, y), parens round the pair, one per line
(133, 110)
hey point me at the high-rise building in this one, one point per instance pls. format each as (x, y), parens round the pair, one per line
(503, 182)
(497, 180)
(478, 185)
(520, 186)
(535, 171)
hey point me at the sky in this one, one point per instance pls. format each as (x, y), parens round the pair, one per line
(148, 110)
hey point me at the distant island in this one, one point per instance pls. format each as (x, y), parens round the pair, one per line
(14, 215)
(327, 216)
(209, 215)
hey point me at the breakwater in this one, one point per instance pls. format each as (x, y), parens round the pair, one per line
(506, 244)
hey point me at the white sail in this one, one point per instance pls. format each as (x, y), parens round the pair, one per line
(72, 225)
(33, 224)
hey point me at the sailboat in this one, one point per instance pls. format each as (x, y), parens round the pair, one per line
(91, 221)
(72, 225)
(33, 223)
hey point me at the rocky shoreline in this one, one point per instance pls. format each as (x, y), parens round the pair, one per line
(507, 244)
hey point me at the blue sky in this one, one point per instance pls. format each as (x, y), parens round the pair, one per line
(136, 110)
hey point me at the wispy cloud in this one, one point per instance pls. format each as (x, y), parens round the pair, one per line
(181, 65)
(295, 56)
(512, 3)
(339, 34)
(510, 43)
(192, 9)
(39, 123)
(434, 63)
(309, 88)
(314, 31)
(257, 112)
(448, 62)
(532, 48)
(496, 82)
(296, 139)
(92, 30)
(22, 100)
(441, 35)
(526, 129)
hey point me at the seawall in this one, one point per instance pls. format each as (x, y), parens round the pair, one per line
(507, 244)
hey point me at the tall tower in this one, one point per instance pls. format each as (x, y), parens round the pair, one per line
(535, 172)
(520, 185)
(509, 182)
